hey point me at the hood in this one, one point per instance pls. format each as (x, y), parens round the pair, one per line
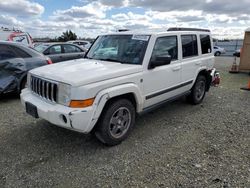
(85, 71)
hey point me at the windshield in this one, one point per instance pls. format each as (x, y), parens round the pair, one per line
(41, 47)
(119, 48)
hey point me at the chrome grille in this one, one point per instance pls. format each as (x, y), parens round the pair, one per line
(44, 88)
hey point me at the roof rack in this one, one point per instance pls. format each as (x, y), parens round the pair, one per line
(186, 29)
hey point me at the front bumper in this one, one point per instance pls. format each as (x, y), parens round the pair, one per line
(71, 118)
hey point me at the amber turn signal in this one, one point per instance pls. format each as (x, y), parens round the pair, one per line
(81, 103)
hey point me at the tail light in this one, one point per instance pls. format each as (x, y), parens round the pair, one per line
(48, 60)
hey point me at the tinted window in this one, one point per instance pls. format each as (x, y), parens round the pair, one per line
(189, 45)
(166, 46)
(55, 49)
(6, 53)
(20, 52)
(71, 49)
(205, 44)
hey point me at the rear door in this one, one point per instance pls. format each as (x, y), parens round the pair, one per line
(55, 53)
(190, 59)
(72, 52)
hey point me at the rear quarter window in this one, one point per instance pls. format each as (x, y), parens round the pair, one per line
(20, 53)
(6, 53)
(189, 46)
(206, 47)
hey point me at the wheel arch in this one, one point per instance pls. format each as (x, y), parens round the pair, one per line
(20, 81)
(129, 91)
(208, 77)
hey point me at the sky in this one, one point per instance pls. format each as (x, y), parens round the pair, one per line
(49, 18)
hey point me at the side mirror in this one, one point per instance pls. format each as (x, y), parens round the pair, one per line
(159, 61)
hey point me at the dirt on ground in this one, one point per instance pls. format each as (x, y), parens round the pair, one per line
(177, 145)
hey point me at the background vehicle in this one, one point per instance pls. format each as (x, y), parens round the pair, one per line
(123, 74)
(237, 53)
(83, 43)
(15, 61)
(59, 52)
(218, 51)
(16, 36)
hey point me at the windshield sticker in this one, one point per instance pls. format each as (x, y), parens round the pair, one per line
(140, 37)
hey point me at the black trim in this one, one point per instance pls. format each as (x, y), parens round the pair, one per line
(158, 105)
(168, 90)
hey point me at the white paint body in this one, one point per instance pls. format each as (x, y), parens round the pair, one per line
(103, 80)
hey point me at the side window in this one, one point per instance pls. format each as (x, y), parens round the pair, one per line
(20, 52)
(166, 46)
(205, 44)
(71, 49)
(6, 53)
(189, 46)
(55, 49)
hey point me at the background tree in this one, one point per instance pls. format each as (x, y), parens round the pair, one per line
(68, 35)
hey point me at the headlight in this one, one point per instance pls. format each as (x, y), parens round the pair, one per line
(64, 94)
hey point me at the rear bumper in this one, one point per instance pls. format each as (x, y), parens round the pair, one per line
(79, 120)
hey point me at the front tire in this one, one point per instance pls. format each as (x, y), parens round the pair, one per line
(198, 91)
(116, 122)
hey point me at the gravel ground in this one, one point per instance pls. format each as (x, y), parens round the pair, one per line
(178, 145)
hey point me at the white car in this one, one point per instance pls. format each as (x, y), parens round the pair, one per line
(124, 74)
(218, 51)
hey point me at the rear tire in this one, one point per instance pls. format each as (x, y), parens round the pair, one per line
(198, 91)
(116, 122)
(217, 54)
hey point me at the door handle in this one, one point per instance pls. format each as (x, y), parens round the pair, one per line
(198, 63)
(176, 68)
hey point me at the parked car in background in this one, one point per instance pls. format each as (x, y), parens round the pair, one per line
(15, 62)
(59, 52)
(237, 53)
(218, 51)
(83, 43)
(16, 36)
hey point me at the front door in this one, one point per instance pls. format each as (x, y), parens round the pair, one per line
(163, 82)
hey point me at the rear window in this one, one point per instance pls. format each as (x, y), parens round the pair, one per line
(21, 38)
(205, 44)
(189, 46)
(21, 53)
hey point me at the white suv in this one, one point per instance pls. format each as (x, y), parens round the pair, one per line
(123, 74)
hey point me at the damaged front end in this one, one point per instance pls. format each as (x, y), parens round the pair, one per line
(12, 73)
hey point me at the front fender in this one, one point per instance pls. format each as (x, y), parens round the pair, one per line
(107, 94)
